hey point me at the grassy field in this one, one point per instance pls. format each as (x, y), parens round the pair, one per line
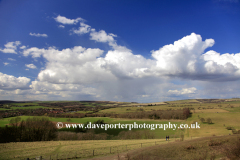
(206, 148)
(67, 149)
(231, 105)
(6, 121)
(220, 122)
(15, 106)
(159, 133)
(134, 109)
(183, 101)
(3, 109)
(30, 107)
(148, 148)
(223, 114)
(23, 104)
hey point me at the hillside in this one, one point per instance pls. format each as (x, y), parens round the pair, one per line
(216, 118)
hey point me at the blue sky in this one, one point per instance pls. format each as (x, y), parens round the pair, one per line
(144, 51)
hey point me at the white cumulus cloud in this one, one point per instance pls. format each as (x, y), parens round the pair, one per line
(183, 91)
(46, 87)
(182, 56)
(11, 47)
(102, 36)
(38, 35)
(34, 51)
(183, 59)
(85, 72)
(11, 59)
(23, 47)
(32, 66)
(64, 20)
(84, 28)
(9, 82)
(61, 26)
(5, 63)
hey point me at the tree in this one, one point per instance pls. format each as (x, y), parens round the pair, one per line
(38, 129)
(209, 121)
(202, 119)
(14, 121)
(33, 129)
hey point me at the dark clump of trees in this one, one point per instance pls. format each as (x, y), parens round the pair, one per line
(32, 129)
(159, 114)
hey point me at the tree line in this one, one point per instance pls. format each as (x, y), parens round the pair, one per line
(32, 129)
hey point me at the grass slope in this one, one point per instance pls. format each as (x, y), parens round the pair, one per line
(64, 149)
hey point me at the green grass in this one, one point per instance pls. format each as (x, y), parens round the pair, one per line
(235, 109)
(220, 122)
(81, 120)
(225, 116)
(134, 109)
(204, 107)
(64, 149)
(30, 107)
(210, 110)
(232, 102)
(5, 121)
(57, 101)
(23, 104)
(159, 133)
(4, 109)
(183, 101)
(150, 148)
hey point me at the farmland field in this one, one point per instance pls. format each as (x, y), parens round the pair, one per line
(30, 107)
(134, 109)
(23, 150)
(222, 113)
(159, 133)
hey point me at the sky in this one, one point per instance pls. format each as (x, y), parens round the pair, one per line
(121, 50)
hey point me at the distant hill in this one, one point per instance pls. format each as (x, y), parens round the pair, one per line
(6, 101)
(9, 101)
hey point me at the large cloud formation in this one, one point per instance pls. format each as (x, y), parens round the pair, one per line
(177, 69)
(9, 82)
